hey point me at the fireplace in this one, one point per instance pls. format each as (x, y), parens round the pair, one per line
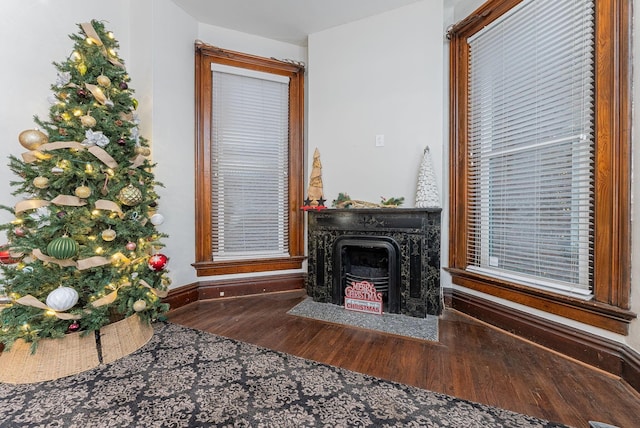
(368, 258)
(395, 249)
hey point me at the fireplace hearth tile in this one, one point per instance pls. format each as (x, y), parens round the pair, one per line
(402, 325)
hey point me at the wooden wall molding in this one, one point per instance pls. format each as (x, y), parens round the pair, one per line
(605, 354)
(204, 290)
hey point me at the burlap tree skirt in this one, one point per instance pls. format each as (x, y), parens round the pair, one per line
(74, 353)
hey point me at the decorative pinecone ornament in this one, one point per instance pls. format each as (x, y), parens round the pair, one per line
(130, 195)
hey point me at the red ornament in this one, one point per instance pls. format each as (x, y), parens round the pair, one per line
(5, 256)
(74, 326)
(157, 262)
(18, 231)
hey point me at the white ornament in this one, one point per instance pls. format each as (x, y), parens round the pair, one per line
(63, 78)
(156, 219)
(427, 192)
(135, 134)
(139, 305)
(62, 298)
(52, 99)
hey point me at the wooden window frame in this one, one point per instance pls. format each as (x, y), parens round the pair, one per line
(205, 263)
(609, 307)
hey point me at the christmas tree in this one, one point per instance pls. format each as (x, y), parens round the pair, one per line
(83, 247)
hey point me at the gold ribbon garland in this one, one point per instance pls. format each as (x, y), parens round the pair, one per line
(111, 297)
(92, 262)
(97, 93)
(98, 152)
(30, 204)
(44, 258)
(103, 204)
(68, 200)
(137, 161)
(29, 300)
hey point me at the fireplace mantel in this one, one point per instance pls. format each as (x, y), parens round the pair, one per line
(414, 231)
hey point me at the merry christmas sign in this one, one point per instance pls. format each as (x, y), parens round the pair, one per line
(363, 297)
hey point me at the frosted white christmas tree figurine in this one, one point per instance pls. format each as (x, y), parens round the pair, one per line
(427, 193)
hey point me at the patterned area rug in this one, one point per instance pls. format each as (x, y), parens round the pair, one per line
(190, 378)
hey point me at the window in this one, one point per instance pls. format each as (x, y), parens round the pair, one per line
(540, 147)
(248, 163)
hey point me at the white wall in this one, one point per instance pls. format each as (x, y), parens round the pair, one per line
(380, 75)
(171, 38)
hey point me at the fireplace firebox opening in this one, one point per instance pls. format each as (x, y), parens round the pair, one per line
(374, 259)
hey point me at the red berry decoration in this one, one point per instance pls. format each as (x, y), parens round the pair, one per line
(122, 141)
(123, 85)
(158, 262)
(81, 93)
(18, 231)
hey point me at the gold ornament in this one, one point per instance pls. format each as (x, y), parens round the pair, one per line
(42, 156)
(88, 121)
(103, 81)
(130, 195)
(139, 305)
(83, 192)
(144, 151)
(108, 235)
(41, 182)
(82, 68)
(31, 139)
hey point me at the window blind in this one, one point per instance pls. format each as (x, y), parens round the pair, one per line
(530, 181)
(249, 162)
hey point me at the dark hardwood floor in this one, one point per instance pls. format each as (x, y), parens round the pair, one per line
(472, 360)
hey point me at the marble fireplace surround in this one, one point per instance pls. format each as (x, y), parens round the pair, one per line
(413, 232)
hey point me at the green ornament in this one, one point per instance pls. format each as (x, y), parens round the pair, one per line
(62, 248)
(135, 103)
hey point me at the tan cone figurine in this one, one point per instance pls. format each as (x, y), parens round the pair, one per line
(315, 191)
